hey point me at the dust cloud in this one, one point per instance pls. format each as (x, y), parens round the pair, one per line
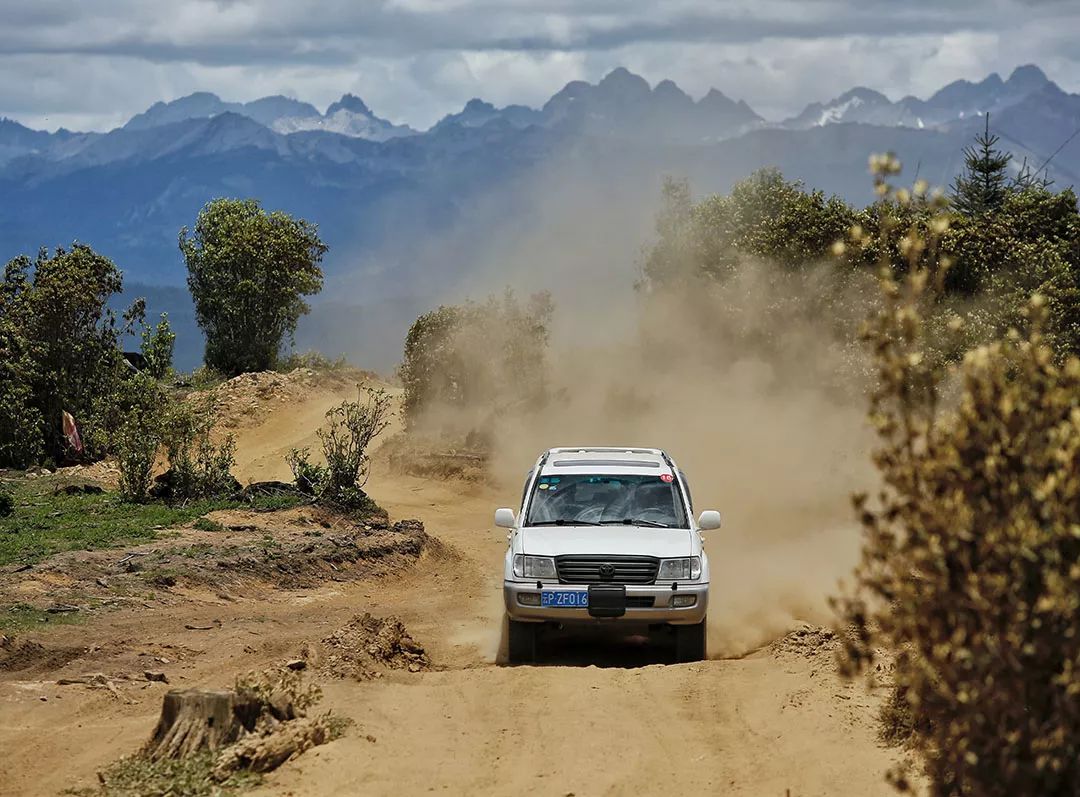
(757, 388)
(759, 397)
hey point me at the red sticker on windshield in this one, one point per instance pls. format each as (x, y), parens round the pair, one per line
(667, 477)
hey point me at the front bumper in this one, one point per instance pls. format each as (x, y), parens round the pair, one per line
(660, 612)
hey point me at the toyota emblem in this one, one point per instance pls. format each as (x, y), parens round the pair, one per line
(607, 571)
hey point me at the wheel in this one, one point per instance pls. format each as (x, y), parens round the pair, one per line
(521, 642)
(690, 642)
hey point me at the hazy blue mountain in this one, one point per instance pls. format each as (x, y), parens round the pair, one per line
(203, 105)
(478, 113)
(958, 100)
(622, 105)
(348, 116)
(413, 218)
(16, 140)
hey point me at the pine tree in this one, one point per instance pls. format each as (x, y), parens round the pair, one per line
(983, 185)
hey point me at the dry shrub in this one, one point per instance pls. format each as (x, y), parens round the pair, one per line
(970, 570)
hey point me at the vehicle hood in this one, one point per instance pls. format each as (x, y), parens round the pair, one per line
(606, 540)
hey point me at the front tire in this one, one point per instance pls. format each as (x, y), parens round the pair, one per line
(521, 642)
(690, 642)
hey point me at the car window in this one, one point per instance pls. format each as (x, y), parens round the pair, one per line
(647, 500)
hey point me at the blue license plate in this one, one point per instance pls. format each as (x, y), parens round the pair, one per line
(564, 598)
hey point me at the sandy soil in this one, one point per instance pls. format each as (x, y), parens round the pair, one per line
(602, 717)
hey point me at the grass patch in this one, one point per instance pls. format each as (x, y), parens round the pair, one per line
(20, 617)
(206, 524)
(45, 522)
(138, 776)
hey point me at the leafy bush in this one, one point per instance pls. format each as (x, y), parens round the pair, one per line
(157, 347)
(248, 271)
(764, 216)
(59, 351)
(351, 427)
(7, 503)
(137, 437)
(309, 477)
(464, 363)
(969, 570)
(200, 467)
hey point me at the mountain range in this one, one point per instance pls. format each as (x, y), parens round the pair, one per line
(412, 216)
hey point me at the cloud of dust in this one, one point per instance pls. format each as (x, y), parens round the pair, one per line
(759, 399)
(756, 387)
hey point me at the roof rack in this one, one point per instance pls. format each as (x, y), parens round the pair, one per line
(604, 450)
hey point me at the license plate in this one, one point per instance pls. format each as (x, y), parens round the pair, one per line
(566, 598)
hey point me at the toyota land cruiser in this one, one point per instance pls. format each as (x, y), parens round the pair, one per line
(606, 535)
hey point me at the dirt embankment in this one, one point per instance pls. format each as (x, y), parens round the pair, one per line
(773, 720)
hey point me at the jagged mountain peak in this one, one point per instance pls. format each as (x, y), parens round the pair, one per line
(862, 94)
(624, 83)
(350, 103)
(477, 104)
(1028, 76)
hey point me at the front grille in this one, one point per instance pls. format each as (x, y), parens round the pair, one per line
(606, 569)
(640, 601)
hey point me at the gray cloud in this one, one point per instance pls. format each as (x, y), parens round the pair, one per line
(414, 60)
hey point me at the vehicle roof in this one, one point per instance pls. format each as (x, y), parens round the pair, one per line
(606, 459)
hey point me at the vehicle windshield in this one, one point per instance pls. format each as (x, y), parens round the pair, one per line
(594, 500)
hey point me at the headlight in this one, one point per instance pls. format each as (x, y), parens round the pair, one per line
(534, 566)
(679, 569)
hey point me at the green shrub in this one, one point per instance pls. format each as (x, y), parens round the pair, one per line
(137, 438)
(200, 467)
(764, 216)
(969, 569)
(7, 503)
(350, 428)
(157, 347)
(309, 477)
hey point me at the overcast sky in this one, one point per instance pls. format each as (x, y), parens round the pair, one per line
(91, 64)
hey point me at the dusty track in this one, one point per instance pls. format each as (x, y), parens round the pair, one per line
(584, 724)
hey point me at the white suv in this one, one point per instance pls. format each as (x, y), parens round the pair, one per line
(606, 535)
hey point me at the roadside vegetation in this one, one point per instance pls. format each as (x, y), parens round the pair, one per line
(46, 519)
(350, 429)
(969, 576)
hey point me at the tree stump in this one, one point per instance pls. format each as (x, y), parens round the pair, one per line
(193, 720)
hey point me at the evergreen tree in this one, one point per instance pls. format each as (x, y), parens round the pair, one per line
(983, 186)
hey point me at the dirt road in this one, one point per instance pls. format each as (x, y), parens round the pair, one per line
(601, 718)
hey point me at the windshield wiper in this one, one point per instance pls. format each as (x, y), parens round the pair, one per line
(563, 522)
(634, 522)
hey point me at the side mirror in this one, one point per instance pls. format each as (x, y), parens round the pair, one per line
(504, 518)
(709, 520)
